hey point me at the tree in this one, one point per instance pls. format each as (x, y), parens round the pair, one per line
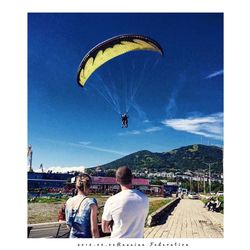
(156, 182)
(110, 173)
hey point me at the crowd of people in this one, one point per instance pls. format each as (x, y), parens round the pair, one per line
(124, 213)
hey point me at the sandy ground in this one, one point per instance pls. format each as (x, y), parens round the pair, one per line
(42, 212)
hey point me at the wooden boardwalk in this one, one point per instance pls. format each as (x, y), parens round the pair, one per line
(189, 219)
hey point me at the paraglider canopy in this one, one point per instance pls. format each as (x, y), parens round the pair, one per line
(110, 49)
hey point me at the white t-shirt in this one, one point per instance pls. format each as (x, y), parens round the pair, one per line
(128, 209)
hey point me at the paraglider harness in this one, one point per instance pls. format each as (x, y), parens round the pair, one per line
(124, 120)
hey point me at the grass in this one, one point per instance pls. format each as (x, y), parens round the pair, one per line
(193, 149)
(155, 205)
(48, 200)
(45, 209)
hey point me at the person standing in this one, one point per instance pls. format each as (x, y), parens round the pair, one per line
(81, 211)
(124, 120)
(125, 213)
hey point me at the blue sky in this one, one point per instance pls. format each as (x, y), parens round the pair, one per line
(179, 97)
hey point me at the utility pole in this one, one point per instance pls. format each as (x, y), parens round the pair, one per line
(190, 181)
(204, 184)
(209, 174)
(41, 167)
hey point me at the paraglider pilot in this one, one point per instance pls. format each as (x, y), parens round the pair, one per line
(124, 120)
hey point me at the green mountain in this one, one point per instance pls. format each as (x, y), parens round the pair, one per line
(192, 157)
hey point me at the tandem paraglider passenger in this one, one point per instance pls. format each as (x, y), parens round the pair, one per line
(124, 120)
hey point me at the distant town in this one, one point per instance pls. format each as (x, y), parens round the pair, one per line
(197, 168)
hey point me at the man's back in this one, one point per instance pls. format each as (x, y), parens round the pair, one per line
(128, 209)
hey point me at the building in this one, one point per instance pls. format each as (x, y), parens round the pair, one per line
(109, 184)
(66, 180)
(47, 180)
(170, 175)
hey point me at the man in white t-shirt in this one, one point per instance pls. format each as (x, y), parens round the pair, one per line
(125, 213)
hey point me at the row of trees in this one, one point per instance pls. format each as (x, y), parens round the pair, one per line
(195, 186)
(200, 187)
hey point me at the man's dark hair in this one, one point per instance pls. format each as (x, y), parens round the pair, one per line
(124, 175)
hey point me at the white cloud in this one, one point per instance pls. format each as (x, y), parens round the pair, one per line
(106, 150)
(214, 74)
(84, 142)
(139, 132)
(209, 126)
(152, 129)
(59, 169)
(132, 132)
(135, 132)
(98, 149)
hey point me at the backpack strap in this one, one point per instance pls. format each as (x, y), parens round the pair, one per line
(77, 210)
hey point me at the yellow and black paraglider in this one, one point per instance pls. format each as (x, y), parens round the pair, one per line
(110, 49)
(106, 51)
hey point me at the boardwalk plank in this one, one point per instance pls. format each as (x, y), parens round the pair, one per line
(189, 220)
